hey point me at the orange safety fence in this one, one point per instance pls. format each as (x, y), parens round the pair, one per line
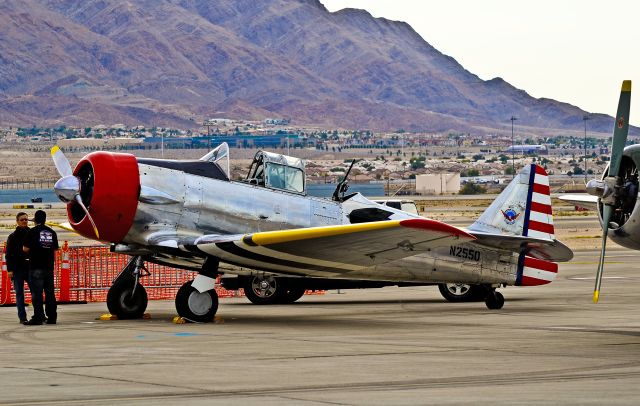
(85, 274)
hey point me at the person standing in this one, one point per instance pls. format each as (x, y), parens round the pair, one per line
(18, 263)
(41, 243)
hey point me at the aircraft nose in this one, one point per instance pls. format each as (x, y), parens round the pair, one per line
(66, 188)
(597, 188)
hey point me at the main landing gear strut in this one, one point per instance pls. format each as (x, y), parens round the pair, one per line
(127, 298)
(197, 300)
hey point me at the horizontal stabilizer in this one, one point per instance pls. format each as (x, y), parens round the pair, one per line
(586, 201)
(548, 250)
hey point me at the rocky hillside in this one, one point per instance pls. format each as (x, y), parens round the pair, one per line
(176, 62)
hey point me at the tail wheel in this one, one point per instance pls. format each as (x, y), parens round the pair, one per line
(461, 292)
(292, 294)
(264, 290)
(196, 306)
(494, 300)
(122, 303)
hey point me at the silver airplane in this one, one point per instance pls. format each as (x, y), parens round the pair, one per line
(615, 196)
(267, 230)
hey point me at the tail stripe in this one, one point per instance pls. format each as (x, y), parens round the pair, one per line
(540, 208)
(542, 199)
(542, 227)
(525, 225)
(539, 219)
(532, 271)
(540, 171)
(542, 189)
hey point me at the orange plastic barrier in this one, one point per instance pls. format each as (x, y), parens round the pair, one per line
(65, 276)
(93, 269)
(85, 274)
(5, 283)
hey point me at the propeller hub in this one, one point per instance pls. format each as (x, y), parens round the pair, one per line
(67, 188)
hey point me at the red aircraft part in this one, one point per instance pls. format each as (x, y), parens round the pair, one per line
(110, 186)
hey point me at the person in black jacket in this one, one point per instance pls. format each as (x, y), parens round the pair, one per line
(17, 262)
(41, 244)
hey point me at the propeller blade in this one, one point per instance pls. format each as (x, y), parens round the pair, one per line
(61, 162)
(95, 229)
(621, 128)
(606, 217)
(620, 131)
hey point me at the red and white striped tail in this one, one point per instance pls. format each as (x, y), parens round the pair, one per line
(533, 272)
(522, 209)
(538, 220)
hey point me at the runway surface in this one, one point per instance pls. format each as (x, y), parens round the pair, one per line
(400, 346)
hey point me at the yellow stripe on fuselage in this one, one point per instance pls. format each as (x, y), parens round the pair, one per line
(275, 237)
(54, 149)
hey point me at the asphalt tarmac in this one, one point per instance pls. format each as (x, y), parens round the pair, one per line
(390, 346)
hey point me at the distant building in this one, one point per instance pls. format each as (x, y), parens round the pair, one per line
(527, 149)
(218, 121)
(277, 121)
(438, 184)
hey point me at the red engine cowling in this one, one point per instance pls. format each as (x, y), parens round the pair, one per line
(109, 188)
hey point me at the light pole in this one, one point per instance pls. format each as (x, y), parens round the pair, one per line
(513, 149)
(585, 118)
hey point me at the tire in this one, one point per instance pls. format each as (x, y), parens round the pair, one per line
(121, 304)
(461, 292)
(494, 300)
(264, 291)
(292, 294)
(196, 306)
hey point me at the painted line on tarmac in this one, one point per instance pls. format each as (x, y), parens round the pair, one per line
(592, 278)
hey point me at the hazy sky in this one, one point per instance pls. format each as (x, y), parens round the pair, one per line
(575, 51)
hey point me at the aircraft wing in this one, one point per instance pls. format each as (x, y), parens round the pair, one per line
(333, 249)
(586, 201)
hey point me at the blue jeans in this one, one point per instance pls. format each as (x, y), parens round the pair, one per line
(18, 279)
(42, 281)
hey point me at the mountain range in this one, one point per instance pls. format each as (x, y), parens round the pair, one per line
(178, 62)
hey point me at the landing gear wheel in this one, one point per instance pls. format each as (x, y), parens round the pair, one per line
(196, 306)
(461, 292)
(263, 290)
(122, 303)
(494, 300)
(291, 295)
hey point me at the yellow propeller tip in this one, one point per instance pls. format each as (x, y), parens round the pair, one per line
(596, 296)
(54, 149)
(626, 86)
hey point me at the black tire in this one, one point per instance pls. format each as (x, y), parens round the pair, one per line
(196, 306)
(461, 292)
(264, 291)
(292, 294)
(494, 300)
(120, 302)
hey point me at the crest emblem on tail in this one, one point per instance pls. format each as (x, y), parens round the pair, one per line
(510, 215)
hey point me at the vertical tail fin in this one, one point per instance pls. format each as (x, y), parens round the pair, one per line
(522, 209)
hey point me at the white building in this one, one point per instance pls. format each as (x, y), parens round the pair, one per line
(438, 184)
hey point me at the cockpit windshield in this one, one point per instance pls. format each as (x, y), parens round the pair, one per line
(277, 171)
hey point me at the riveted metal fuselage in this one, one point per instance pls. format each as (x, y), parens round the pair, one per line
(175, 207)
